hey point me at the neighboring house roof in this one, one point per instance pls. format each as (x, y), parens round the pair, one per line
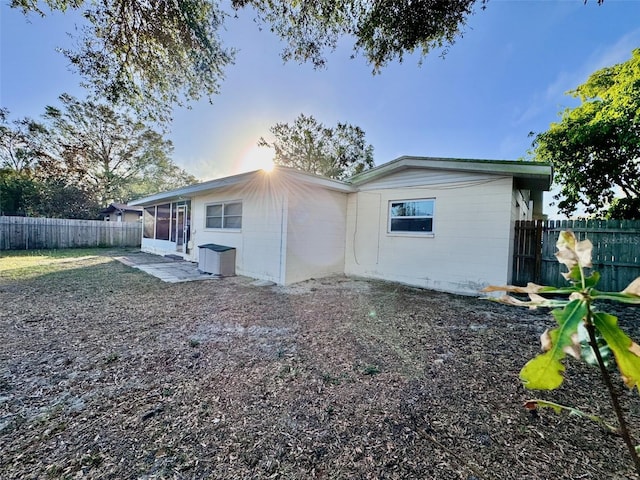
(528, 175)
(241, 178)
(120, 207)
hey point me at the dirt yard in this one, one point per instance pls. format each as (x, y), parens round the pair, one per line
(107, 373)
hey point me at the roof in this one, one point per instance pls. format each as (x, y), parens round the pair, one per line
(120, 207)
(242, 178)
(528, 175)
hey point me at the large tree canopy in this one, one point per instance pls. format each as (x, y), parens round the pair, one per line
(154, 54)
(146, 54)
(18, 152)
(595, 148)
(114, 153)
(382, 30)
(84, 156)
(310, 146)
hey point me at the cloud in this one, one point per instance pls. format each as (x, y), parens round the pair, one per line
(617, 53)
(554, 97)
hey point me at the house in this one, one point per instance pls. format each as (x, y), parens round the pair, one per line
(439, 223)
(120, 212)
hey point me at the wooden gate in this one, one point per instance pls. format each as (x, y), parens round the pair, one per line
(616, 251)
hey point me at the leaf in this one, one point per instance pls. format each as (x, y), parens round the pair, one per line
(575, 255)
(535, 403)
(631, 294)
(573, 349)
(625, 351)
(545, 341)
(544, 372)
(535, 302)
(584, 251)
(592, 280)
(572, 252)
(617, 297)
(588, 354)
(633, 288)
(573, 275)
(530, 288)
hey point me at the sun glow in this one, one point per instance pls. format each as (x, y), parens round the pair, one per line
(257, 158)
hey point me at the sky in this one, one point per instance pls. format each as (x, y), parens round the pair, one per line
(505, 77)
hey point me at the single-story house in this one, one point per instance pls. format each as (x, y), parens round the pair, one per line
(120, 212)
(439, 223)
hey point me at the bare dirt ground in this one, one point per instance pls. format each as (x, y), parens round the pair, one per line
(107, 373)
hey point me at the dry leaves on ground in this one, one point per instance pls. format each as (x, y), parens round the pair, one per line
(106, 372)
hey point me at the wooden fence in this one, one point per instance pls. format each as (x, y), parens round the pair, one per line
(616, 251)
(30, 233)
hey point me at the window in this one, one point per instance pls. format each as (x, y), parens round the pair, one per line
(411, 216)
(163, 221)
(149, 222)
(224, 215)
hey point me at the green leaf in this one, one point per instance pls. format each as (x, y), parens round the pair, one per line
(588, 354)
(557, 407)
(626, 352)
(559, 290)
(573, 275)
(544, 372)
(592, 280)
(617, 297)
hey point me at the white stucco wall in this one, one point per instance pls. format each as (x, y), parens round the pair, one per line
(291, 230)
(316, 228)
(158, 247)
(472, 230)
(258, 243)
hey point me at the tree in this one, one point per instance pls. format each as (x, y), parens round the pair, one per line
(624, 209)
(16, 190)
(81, 158)
(595, 148)
(310, 146)
(154, 54)
(23, 194)
(149, 55)
(160, 177)
(56, 197)
(384, 31)
(18, 152)
(115, 155)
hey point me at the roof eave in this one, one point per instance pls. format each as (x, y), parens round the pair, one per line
(192, 190)
(529, 175)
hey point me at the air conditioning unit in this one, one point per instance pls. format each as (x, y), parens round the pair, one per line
(217, 259)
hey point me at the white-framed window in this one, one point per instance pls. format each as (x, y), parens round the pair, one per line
(224, 215)
(411, 216)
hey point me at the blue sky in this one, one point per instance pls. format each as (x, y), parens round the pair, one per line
(506, 77)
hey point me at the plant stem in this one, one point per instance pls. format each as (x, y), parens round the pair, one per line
(624, 430)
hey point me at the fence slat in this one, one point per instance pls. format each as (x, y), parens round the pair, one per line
(31, 233)
(616, 251)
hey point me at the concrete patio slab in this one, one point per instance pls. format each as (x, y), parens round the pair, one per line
(166, 269)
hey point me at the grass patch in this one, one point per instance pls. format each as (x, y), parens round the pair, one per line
(81, 272)
(18, 265)
(22, 257)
